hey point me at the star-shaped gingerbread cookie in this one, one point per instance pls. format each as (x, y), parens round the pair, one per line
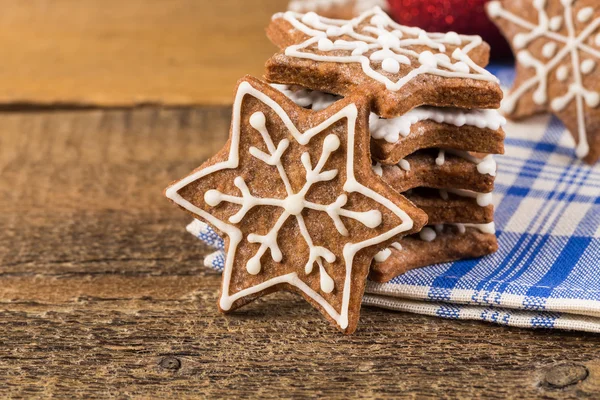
(557, 47)
(294, 195)
(399, 67)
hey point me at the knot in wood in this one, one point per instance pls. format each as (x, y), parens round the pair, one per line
(566, 374)
(170, 363)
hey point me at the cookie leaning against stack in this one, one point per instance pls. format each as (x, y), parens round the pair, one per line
(297, 202)
(557, 49)
(434, 124)
(294, 192)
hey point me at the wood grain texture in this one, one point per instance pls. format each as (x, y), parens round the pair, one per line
(103, 293)
(116, 52)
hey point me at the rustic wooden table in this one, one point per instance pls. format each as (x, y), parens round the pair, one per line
(103, 293)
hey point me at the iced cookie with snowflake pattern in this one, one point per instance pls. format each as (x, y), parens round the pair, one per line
(296, 200)
(398, 67)
(557, 50)
(434, 245)
(450, 186)
(393, 139)
(457, 130)
(452, 205)
(441, 169)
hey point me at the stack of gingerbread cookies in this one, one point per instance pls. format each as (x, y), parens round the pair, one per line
(432, 140)
(368, 151)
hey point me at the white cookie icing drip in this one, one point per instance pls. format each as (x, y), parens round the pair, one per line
(484, 228)
(325, 281)
(314, 99)
(461, 228)
(397, 246)
(441, 158)
(483, 199)
(573, 46)
(429, 235)
(292, 205)
(378, 169)
(585, 14)
(383, 255)
(381, 46)
(405, 165)
(391, 129)
(562, 73)
(485, 165)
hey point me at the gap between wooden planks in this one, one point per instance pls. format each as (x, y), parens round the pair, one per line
(122, 53)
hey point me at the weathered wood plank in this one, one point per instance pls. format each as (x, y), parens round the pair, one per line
(116, 52)
(103, 293)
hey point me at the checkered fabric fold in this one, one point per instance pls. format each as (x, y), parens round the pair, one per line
(546, 273)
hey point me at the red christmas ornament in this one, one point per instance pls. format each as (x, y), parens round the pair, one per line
(461, 16)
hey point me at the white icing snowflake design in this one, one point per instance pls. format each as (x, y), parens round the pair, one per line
(581, 57)
(293, 204)
(381, 46)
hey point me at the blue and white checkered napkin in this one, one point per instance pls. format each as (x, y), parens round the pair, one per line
(546, 273)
